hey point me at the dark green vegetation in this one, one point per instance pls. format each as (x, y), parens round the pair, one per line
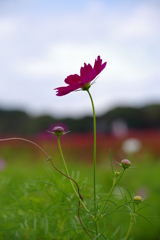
(38, 203)
(18, 122)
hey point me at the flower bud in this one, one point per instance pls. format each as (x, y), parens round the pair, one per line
(116, 174)
(137, 199)
(58, 131)
(125, 163)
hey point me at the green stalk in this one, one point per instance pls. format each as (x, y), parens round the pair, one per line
(133, 216)
(59, 145)
(94, 153)
(105, 203)
(130, 227)
(115, 182)
(120, 176)
(94, 158)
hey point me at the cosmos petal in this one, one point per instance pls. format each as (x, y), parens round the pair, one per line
(75, 78)
(61, 91)
(88, 77)
(98, 66)
(84, 70)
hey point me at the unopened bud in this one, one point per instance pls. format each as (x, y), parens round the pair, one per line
(125, 163)
(137, 199)
(116, 174)
(58, 131)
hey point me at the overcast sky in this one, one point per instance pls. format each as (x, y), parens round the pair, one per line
(42, 42)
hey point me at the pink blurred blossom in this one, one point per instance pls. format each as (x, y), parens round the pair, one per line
(2, 164)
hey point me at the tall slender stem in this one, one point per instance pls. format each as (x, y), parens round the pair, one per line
(59, 145)
(94, 151)
(94, 159)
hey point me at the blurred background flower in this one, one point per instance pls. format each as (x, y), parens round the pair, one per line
(2, 164)
(131, 145)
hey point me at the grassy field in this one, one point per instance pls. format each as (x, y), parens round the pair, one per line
(38, 203)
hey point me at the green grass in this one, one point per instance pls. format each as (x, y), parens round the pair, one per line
(38, 203)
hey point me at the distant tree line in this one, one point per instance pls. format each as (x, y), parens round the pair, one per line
(15, 122)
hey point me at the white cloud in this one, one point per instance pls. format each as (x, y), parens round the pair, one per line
(8, 27)
(60, 59)
(140, 23)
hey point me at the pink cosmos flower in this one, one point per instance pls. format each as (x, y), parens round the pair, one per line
(87, 74)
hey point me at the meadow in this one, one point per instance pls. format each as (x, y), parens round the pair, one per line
(38, 203)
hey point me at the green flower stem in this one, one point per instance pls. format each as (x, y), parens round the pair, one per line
(115, 182)
(59, 145)
(94, 153)
(94, 160)
(97, 230)
(105, 203)
(120, 176)
(132, 219)
(130, 227)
